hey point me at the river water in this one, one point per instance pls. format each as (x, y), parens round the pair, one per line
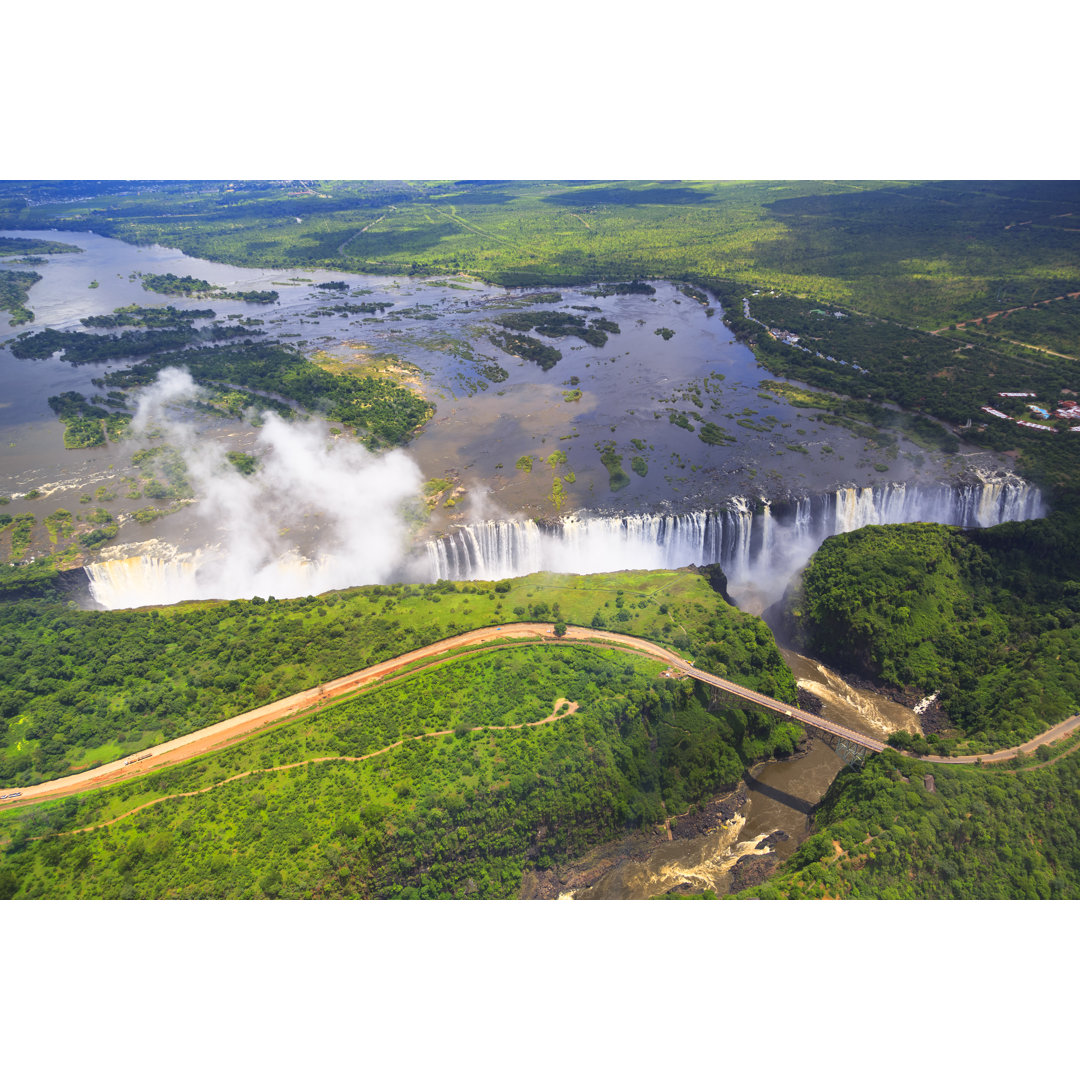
(782, 796)
(631, 389)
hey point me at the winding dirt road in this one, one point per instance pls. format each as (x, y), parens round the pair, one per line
(227, 731)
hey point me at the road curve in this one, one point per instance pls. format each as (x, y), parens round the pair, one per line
(199, 742)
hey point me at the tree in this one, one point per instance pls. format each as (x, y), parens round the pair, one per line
(560, 629)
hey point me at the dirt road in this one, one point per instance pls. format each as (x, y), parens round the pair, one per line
(1051, 735)
(217, 735)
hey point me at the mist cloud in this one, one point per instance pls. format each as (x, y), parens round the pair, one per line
(318, 514)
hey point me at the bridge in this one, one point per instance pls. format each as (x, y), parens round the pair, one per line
(848, 744)
(851, 746)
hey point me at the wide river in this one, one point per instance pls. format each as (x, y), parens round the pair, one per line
(627, 394)
(671, 357)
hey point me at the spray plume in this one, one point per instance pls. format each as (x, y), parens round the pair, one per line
(350, 499)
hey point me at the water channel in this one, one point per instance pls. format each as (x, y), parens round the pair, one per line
(772, 814)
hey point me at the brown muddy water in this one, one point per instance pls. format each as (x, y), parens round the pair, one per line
(766, 819)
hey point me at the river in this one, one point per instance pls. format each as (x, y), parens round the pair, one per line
(643, 392)
(768, 816)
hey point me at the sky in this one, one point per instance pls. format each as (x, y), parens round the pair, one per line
(697, 90)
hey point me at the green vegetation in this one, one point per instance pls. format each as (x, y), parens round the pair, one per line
(929, 254)
(987, 617)
(437, 486)
(379, 411)
(33, 579)
(151, 318)
(20, 245)
(617, 479)
(163, 473)
(871, 361)
(78, 347)
(172, 285)
(244, 464)
(1052, 325)
(639, 465)
(694, 294)
(558, 324)
(75, 683)
(15, 288)
(528, 348)
(665, 333)
(980, 835)
(354, 309)
(105, 531)
(525, 463)
(626, 288)
(458, 814)
(539, 298)
(22, 528)
(86, 424)
(867, 420)
(714, 435)
(60, 525)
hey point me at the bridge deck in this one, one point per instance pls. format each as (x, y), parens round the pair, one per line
(783, 709)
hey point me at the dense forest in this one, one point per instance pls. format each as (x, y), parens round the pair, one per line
(174, 285)
(900, 829)
(78, 687)
(14, 292)
(560, 324)
(24, 245)
(458, 814)
(151, 318)
(988, 618)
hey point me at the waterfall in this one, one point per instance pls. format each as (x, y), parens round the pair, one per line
(142, 579)
(758, 547)
(765, 547)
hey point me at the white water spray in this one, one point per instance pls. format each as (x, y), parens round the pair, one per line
(355, 497)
